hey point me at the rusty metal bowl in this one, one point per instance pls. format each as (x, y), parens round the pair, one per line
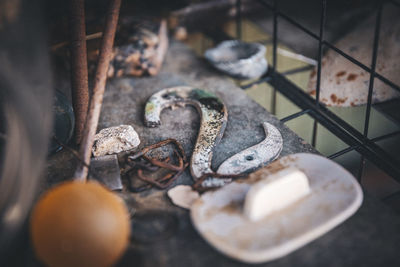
(238, 59)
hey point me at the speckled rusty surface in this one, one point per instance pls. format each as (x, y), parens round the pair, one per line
(124, 102)
(344, 84)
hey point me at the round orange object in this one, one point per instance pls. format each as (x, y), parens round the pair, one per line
(80, 224)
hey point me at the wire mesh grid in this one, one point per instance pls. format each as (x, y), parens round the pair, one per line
(355, 139)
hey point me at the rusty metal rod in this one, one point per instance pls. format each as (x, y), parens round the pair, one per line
(79, 68)
(98, 88)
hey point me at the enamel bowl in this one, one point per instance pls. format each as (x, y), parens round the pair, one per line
(238, 59)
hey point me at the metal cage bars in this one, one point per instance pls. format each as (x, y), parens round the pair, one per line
(356, 140)
(324, 42)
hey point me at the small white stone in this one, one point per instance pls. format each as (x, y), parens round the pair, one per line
(183, 196)
(114, 140)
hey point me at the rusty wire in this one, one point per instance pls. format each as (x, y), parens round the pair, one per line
(158, 145)
(141, 162)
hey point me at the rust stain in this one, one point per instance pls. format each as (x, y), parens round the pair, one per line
(337, 100)
(233, 207)
(313, 73)
(352, 77)
(341, 73)
(275, 167)
(288, 159)
(262, 173)
(313, 92)
(342, 100)
(331, 182)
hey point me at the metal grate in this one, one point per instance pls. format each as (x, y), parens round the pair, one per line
(355, 139)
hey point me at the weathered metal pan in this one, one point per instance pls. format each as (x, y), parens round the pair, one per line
(343, 83)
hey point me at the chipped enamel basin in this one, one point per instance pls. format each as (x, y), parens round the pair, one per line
(218, 215)
(239, 59)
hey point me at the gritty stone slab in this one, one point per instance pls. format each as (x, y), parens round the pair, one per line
(179, 244)
(115, 139)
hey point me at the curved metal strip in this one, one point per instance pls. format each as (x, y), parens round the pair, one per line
(251, 158)
(213, 116)
(257, 155)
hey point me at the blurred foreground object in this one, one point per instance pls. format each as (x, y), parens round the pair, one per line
(25, 118)
(80, 224)
(343, 83)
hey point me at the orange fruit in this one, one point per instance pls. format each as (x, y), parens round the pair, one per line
(79, 224)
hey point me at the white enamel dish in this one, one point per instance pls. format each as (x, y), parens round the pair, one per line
(218, 215)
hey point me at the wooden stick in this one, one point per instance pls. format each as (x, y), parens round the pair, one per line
(161, 49)
(88, 37)
(79, 69)
(98, 88)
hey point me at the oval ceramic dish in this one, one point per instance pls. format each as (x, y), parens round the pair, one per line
(218, 215)
(239, 59)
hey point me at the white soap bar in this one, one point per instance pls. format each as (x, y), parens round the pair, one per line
(276, 192)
